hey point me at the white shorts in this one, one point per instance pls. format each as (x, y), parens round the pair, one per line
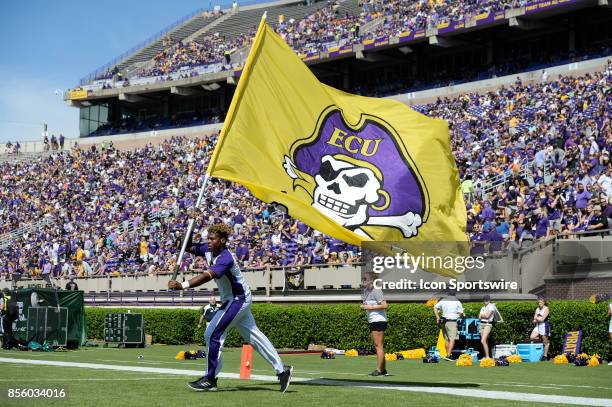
(610, 328)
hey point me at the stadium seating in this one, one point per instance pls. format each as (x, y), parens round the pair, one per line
(517, 148)
(244, 21)
(306, 28)
(147, 52)
(183, 31)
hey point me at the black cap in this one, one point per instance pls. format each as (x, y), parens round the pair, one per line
(487, 297)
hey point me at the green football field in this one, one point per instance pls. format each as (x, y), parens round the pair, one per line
(117, 377)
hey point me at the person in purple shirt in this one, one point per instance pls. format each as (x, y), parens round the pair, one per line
(235, 311)
(606, 206)
(302, 228)
(153, 247)
(543, 224)
(487, 214)
(479, 240)
(494, 238)
(242, 252)
(582, 197)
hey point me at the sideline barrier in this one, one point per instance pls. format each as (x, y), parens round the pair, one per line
(585, 256)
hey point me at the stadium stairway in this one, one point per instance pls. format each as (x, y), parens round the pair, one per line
(526, 172)
(207, 28)
(179, 33)
(244, 20)
(349, 6)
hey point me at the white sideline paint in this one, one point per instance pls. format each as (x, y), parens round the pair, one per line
(93, 379)
(487, 394)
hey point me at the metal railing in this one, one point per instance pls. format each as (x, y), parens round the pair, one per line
(102, 69)
(483, 187)
(7, 238)
(585, 233)
(155, 37)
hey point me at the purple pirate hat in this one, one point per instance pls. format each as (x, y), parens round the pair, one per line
(376, 145)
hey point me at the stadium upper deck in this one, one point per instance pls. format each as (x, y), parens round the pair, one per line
(388, 56)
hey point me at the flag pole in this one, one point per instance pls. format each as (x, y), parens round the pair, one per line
(226, 124)
(190, 228)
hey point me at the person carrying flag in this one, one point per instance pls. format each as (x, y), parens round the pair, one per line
(235, 311)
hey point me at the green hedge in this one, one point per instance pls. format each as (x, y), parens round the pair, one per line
(344, 326)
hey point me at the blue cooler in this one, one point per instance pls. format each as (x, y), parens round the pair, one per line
(530, 352)
(433, 351)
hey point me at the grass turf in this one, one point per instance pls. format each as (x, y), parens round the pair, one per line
(95, 387)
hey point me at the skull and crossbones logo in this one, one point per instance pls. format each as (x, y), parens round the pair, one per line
(347, 189)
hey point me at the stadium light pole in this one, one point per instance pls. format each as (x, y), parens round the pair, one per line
(177, 266)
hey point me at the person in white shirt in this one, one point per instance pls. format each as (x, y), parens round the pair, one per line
(208, 311)
(451, 310)
(2, 301)
(375, 305)
(486, 316)
(605, 182)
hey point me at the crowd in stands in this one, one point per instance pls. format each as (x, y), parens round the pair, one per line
(534, 160)
(210, 49)
(324, 28)
(124, 212)
(409, 15)
(550, 142)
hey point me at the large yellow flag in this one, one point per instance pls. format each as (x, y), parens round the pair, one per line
(355, 168)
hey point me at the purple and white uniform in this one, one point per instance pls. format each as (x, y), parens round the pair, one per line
(235, 312)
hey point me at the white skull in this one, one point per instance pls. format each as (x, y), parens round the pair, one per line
(344, 191)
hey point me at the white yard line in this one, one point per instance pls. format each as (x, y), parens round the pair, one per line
(566, 385)
(487, 394)
(139, 361)
(92, 379)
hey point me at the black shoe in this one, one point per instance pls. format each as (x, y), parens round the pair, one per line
(378, 373)
(203, 384)
(285, 378)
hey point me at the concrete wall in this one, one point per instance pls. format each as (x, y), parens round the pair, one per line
(531, 269)
(131, 140)
(535, 266)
